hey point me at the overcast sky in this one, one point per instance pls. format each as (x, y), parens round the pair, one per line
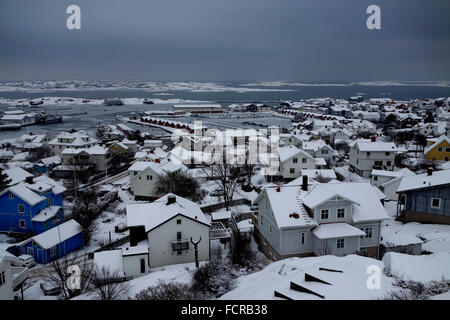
(219, 40)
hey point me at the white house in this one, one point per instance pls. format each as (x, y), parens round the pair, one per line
(328, 218)
(144, 177)
(320, 149)
(388, 181)
(366, 156)
(97, 157)
(74, 140)
(162, 232)
(292, 161)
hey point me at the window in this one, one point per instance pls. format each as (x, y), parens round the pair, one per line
(2, 278)
(324, 214)
(363, 250)
(378, 163)
(324, 151)
(21, 208)
(148, 177)
(11, 195)
(375, 178)
(179, 236)
(292, 170)
(178, 221)
(48, 202)
(435, 203)
(304, 160)
(303, 237)
(30, 251)
(22, 224)
(368, 231)
(447, 149)
(368, 153)
(440, 149)
(387, 153)
(33, 243)
(53, 251)
(142, 265)
(340, 243)
(270, 229)
(388, 163)
(295, 160)
(341, 212)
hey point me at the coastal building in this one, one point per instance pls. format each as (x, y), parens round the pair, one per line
(425, 197)
(54, 243)
(144, 177)
(31, 206)
(327, 218)
(72, 140)
(439, 149)
(367, 156)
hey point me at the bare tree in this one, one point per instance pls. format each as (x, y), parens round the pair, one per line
(109, 284)
(73, 274)
(225, 176)
(325, 249)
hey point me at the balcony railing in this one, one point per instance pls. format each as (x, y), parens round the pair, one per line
(180, 245)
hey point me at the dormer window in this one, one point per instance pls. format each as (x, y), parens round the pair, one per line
(341, 213)
(324, 214)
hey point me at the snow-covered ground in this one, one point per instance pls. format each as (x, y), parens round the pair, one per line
(350, 284)
(423, 268)
(435, 237)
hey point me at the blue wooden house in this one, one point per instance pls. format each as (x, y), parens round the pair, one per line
(54, 243)
(31, 207)
(425, 197)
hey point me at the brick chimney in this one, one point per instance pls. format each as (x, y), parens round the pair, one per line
(373, 138)
(429, 171)
(305, 183)
(278, 189)
(171, 200)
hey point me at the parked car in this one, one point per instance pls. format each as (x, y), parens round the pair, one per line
(50, 289)
(26, 260)
(121, 227)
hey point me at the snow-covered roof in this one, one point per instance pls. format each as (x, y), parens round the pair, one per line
(155, 213)
(110, 260)
(366, 201)
(46, 213)
(393, 174)
(290, 151)
(24, 193)
(421, 181)
(377, 146)
(56, 235)
(17, 175)
(437, 143)
(336, 230)
(286, 202)
(131, 251)
(51, 161)
(316, 145)
(314, 173)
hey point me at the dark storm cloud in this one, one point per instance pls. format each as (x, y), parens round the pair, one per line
(225, 40)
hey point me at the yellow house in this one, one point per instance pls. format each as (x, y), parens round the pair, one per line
(439, 150)
(119, 149)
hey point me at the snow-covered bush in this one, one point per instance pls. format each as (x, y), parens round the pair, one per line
(169, 291)
(415, 290)
(214, 278)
